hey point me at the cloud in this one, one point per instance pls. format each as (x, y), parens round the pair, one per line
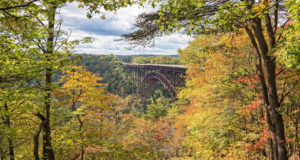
(105, 32)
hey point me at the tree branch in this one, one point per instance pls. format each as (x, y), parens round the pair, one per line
(280, 72)
(17, 6)
(259, 67)
(283, 26)
(270, 30)
(276, 16)
(40, 116)
(287, 93)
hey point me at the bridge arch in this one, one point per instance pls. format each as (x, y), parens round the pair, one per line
(148, 82)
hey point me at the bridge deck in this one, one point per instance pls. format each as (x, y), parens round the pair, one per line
(176, 68)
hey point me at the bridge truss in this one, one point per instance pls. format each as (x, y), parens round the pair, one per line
(145, 76)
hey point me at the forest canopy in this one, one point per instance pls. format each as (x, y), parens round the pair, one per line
(240, 99)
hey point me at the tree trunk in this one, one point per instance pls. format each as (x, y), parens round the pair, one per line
(47, 146)
(36, 142)
(1, 149)
(273, 117)
(48, 153)
(10, 142)
(80, 127)
(11, 149)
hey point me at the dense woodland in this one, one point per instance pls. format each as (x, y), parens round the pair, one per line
(241, 99)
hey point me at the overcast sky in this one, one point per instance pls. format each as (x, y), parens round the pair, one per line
(105, 32)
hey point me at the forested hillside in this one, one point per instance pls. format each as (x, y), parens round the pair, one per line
(241, 98)
(116, 78)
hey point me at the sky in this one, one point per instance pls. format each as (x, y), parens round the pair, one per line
(105, 32)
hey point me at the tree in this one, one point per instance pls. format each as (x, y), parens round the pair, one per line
(288, 49)
(260, 19)
(37, 21)
(82, 93)
(218, 118)
(17, 71)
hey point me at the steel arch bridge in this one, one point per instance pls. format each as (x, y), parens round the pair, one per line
(145, 76)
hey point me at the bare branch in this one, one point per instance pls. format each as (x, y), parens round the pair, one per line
(283, 26)
(287, 93)
(280, 72)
